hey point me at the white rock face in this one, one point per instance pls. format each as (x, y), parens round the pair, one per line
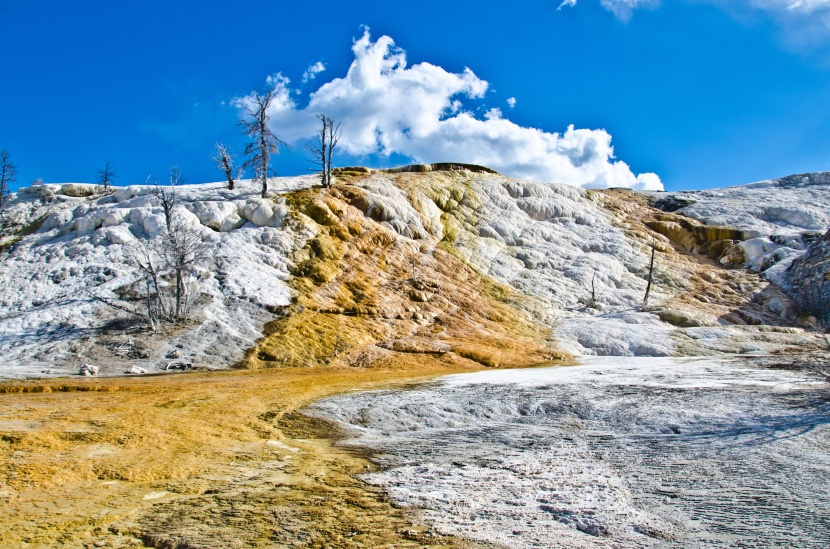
(218, 215)
(550, 242)
(119, 235)
(123, 194)
(789, 205)
(785, 213)
(263, 212)
(153, 224)
(84, 247)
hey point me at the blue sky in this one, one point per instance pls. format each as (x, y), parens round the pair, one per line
(701, 93)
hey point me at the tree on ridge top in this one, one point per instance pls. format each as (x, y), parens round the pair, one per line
(265, 143)
(8, 173)
(323, 148)
(107, 175)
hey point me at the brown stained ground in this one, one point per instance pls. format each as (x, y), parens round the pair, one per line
(368, 298)
(224, 459)
(194, 460)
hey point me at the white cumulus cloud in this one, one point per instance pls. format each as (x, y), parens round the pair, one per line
(511, 102)
(312, 71)
(386, 107)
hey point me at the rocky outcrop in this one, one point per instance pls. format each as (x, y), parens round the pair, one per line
(780, 217)
(417, 168)
(445, 259)
(809, 277)
(692, 236)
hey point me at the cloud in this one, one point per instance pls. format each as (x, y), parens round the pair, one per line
(312, 71)
(804, 23)
(623, 9)
(386, 108)
(511, 102)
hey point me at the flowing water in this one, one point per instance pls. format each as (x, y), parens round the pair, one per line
(613, 453)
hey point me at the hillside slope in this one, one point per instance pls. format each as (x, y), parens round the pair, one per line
(452, 265)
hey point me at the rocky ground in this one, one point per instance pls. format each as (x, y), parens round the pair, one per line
(615, 452)
(441, 260)
(386, 276)
(197, 460)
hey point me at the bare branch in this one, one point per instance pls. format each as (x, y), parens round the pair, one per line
(265, 143)
(225, 160)
(322, 149)
(106, 176)
(182, 247)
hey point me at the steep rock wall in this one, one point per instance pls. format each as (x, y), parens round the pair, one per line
(809, 277)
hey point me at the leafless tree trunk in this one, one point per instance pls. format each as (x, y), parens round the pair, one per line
(8, 174)
(225, 161)
(594, 291)
(323, 148)
(650, 274)
(265, 143)
(156, 309)
(106, 176)
(167, 196)
(180, 249)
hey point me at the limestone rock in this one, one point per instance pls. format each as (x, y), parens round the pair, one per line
(178, 365)
(88, 370)
(263, 212)
(119, 235)
(80, 189)
(56, 219)
(684, 319)
(809, 279)
(125, 193)
(416, 345)
(222, 216)
(154, 225)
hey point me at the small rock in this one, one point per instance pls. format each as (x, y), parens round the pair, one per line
(140, 353)
(88, 370)
(137, 370)
(175, 353)
(179, 365)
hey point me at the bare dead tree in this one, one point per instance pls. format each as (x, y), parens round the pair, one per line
(167, 196)
(594, 291)
(650, 274)
(8, 174)
(106, 176)
(265, 143)
(224, 160)
(323, 148)
(178, 251)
